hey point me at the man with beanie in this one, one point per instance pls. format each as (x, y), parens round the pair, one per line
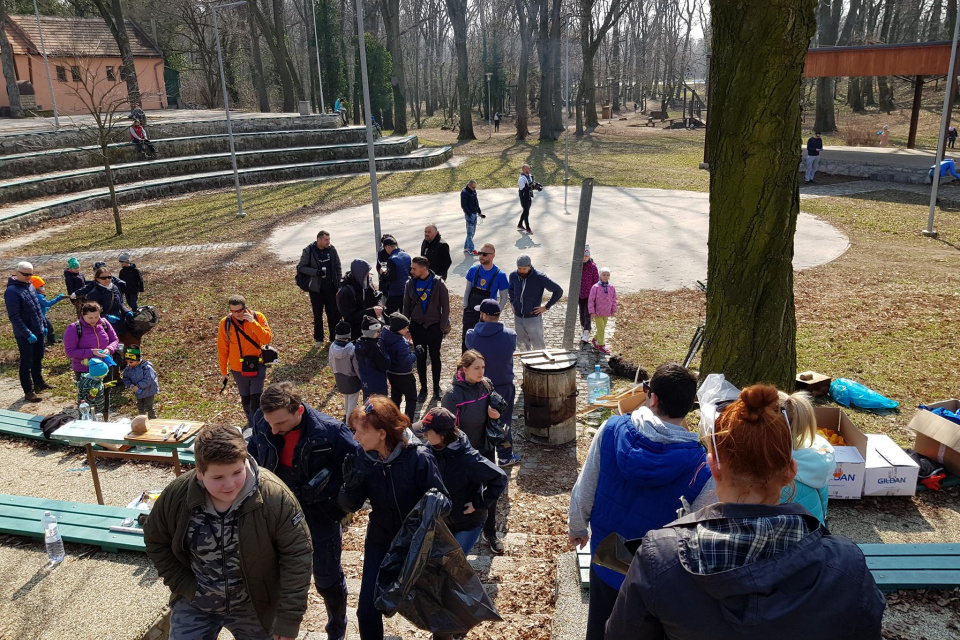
(372, 364)
(357, 297)
(134, 279)
(401, 354)
(26, 318)
(72, 276)
(526, 295)
(497, 344)
(319, 271)
(305, 449)
(436, 250)
(395, 274)
(588, 277)
(343, 361)
(484, 280)
(426, 302)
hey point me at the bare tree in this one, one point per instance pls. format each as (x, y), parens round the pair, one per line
(9, 71)
(528, 24)
(112, 13)
(457, 10)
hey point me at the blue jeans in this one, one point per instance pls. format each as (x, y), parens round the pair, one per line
(368, 616)
(471, 219)
(466, 539)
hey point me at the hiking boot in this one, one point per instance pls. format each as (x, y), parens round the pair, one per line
(437, 392)
(32, 397)
(43, 386)
(496, 545)
(422, 396)
(512, 460)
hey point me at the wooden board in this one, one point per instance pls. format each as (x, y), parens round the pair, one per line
(153, 436)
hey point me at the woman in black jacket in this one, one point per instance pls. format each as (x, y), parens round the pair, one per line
(356, 297)
(394, 473)
(105, 292)
(748, 567)
(474, 482)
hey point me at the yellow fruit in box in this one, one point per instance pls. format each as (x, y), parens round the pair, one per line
(832, 437)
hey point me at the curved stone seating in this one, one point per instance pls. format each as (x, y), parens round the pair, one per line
(38, 186)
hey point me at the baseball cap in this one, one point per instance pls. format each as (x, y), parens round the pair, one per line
(438, 420)
(489, 306)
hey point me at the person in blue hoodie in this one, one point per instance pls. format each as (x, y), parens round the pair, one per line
(394, 472)
(372, 362)
(397, 346)
(395, 274)
(45, 306)
(641, 469)
(813, 454)
(141, 375)
(497, 343)
(526, 295)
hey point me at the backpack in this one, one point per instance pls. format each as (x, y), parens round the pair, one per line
(144, 319)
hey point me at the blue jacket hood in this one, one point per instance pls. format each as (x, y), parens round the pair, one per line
(487, 329)
(655, 453)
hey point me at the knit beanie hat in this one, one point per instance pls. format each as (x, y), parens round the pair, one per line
(586, 250)
(523, 260)
(343, 331)
(398, 322)
(132, 353)
(36, 281)
(369, 327)
(98, 368)
(124, 257)
(73, 263)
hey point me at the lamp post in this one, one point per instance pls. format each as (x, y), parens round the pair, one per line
(930, 233)
(371, 158)
(46, 64)
(489, 115)
(316, 43)
(226, 102)
(566, 110)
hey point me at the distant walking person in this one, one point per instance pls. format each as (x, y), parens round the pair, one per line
(319, 270)
(470, 205)
(814, 146)
(496, 122)
(951, 136)
(526, 185)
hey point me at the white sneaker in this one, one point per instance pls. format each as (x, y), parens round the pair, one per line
(585, 336)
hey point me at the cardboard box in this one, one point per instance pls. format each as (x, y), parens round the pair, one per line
(890, 471)
(937, 438)
(847, 481)
(815, 383)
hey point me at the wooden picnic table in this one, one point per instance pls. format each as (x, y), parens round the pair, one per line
(88, 433)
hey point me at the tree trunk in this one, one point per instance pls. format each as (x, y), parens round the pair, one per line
(280, 29)
(550, 107)
(390, 10)
(826, 118)
(112, 14)
(527, 23)
(754, 188)
(855, 95)
(9, 71)
(615, 67)
(588, 88)
(279, 65)
(256, 69)
(108, 174)
(457, 9)
(884, 90)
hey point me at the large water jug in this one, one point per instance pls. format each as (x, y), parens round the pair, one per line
(598, 384)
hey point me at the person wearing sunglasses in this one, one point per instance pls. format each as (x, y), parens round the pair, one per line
(641, 468)
(484, 281)
(26, 317)
(748, 567)
(105, 291)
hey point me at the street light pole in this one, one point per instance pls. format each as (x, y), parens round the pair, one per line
(566, 111)
(371, 158)
(226, 103)
(46, 64)
(944, 118)
(489, 116)
(316, 42)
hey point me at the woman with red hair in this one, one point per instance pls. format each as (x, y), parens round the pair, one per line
(748, 566)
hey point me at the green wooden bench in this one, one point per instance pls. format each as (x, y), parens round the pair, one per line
(894, 566)
(79, 522)
(27, 425)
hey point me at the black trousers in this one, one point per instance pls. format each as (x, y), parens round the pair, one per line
(403, 386)
(525, 216)
(602, 599)
(431, 338)
(322, 303)
(585, 314)
(490, 526)
(31, 363)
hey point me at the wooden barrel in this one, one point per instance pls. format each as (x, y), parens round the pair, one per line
(550, 395)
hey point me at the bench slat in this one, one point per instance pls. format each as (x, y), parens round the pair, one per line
(899, 563)
(78, 521)
(923, 579)
(928, 549)
(64, 507)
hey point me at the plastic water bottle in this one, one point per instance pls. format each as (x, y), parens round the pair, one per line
(85, 413)
(51, 534)
(598, 384)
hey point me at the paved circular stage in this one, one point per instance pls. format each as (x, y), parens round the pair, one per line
(650, 238)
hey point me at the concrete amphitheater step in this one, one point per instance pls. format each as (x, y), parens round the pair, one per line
(24, 214)
(46, 160)
(64, 182)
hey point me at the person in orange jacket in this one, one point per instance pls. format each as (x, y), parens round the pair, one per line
(242, 335)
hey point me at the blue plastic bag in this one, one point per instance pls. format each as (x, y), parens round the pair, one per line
(853, 394)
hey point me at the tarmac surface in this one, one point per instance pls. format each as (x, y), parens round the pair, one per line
(651, 238)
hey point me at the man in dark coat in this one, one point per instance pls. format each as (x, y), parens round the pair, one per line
(26, 317)
(436, 250)
(357, 297)
(319, 269)
(470, 205)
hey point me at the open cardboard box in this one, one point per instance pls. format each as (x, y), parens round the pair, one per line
(938, 438)
(631, 403)
(890, 471)
(847, 481)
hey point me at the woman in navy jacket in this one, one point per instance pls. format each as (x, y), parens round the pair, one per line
(394, 473)
(748, 567)
(474, 482)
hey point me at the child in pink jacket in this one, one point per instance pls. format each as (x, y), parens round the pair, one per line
(602, 304)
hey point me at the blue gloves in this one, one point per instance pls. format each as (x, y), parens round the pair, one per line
(58, 298)
(129, 315)
(113, 319)
(32, 339)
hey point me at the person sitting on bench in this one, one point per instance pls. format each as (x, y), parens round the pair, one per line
(139, 137)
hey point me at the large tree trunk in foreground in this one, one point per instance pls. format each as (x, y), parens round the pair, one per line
(390, 11)
(754, 188)
(457, 9)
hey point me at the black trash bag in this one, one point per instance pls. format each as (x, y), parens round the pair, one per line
(426, 578)
(616, 553)
(144, 319)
